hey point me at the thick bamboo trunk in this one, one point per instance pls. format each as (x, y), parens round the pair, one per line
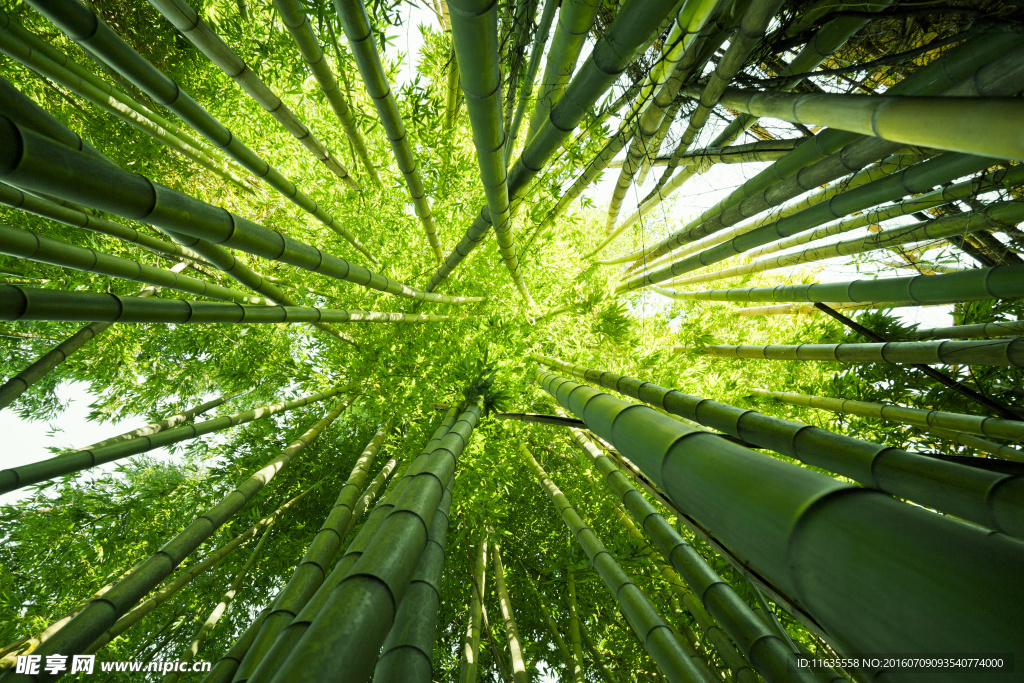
(959, 490)
(471, 641)
(811, 524)
(654, 634)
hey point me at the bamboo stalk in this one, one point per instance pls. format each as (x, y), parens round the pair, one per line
(988, 330)
(762, 150)
(867, 606)
(519, 673)
(471, 641)
(574, 632)
(68, 463)
(540, 39)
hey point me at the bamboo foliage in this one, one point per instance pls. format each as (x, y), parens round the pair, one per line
(864, 606)
(650, 628)
(186, 20)
(475, 34)
(83, 26)
(100, 615)
(356, 23)
(39, 163)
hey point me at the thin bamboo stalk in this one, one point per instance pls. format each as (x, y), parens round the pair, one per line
(286, 642)
(761, 150)
(552, 626)
(540, 39)
(315, 564)
(595, 652)
(984, 352)
(68, 463)
(475, 34)
(356, 23)
(471, 642)
(191, 25)
(977, 443)
(866, 606)
(21, 382)
(519, 673)
(655, 635)
(988, 330)
(717, 599)
(574, 632)
(968, 493)
(295, 19)
(82, 25)
(35, 162)
(355, 618)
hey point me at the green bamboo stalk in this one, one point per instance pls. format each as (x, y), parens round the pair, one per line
(363, 541)
(658, 139)
(1007, 177)
(191, 25)
(68, 463)
(761, 150)
(24, 303)
(524, 18)
(51, 69)
(298, 25)
(34, 162)
(519, 673)
(651, 629)
(574, 21)
(15, 198)
(98, 616)
(12, 334)
(984, 352)
(1001, 282)
(977, 443)
(556, 636)
(475, 34)
(985, 66)
(496, 657)
(407, 653)
(809, 309)
(32, 246)
(354, 620)
(356, 23)
(540, 39)
(21, 108)
(161, 425)
(920, 177)
(987, 330)
(20, 383)
(893, 164)
(936, 122)
(965, 492)
(83, 26)
(218, 611)
(471, 642)
(614, 52)
(717, 605)
(574, 633)
(942, 583)
(989, 427)
(213, 559)
(315, 564)
(595, 652)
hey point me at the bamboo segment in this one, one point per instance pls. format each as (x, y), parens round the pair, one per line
(983, 66)
(977, 443)
(471, 642)
(986, 352)
(990, 427)
(355, 618)
(650, 628)
(519, 673)
(68, 463)
(35, 162)
(357, 24)
(613, 53)
(941, 584)
(769, 655)
(972, 125)
(23, 303)
(408, 651)
(219, 610)
(917, 178)
(315, 564)
(20, 383)
(100, 615)
(83, 26)
(32, 246)
(162, 425)
(574, 633)
(1001, 282)
(988, 330)
(285, 644)
(189, 23)
(966, 492)
(574, 21)
(224, 667)
(475, 33)
(751, 152)
(298, 25)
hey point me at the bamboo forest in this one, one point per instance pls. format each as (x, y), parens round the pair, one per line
(511, 340)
